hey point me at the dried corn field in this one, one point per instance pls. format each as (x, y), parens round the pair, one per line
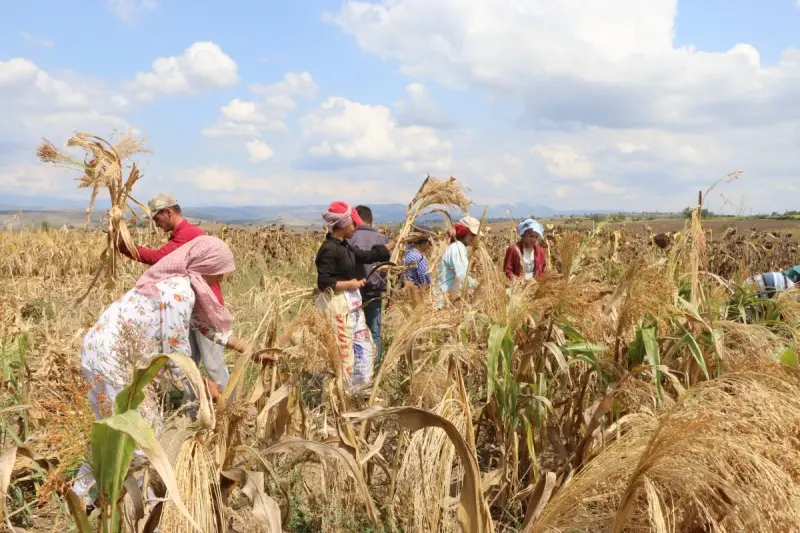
(622, 392)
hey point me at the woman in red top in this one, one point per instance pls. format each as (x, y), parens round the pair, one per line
(526, 259)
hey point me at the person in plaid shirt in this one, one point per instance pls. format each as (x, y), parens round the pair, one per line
(416, 262)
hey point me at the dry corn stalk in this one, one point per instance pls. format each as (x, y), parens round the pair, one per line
(434, 191)
(102, 168)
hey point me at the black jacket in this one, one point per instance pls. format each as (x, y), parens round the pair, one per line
(337, 260)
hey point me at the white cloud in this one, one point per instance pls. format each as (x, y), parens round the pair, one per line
(301, 85)
(259, 151)
(31, 39)
(219, 179)
(604, 188)
(499, 178)
(128, 11)
(616, 107)
(249, 118)
(419, 109)
(241, 111)
(202, 66)
(342, 133)
(30, 178)
(564, 161)
(562, 191)
(581, 62)
(232, 186)
(37, 104)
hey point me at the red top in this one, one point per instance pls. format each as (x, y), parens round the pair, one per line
(512, 265)
(182, 234)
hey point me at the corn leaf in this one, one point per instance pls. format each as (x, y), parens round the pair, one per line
(133, 426)
(473, 513)
(653, 357)
(697, 353)
(78, 512)
(333, 452)
(496, 337)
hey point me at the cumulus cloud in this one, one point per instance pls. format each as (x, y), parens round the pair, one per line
(218, 179)
(249, 118)
(30, 178)
(202, 66)
(583, 61)
(37, 104)
(233, 186)
(259, 151)
(616, 106)
(128, 11)
(301, 85)
(564, 161)
(419, 109)
(341, 133)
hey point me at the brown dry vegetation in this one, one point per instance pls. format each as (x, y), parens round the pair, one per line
(613, 395)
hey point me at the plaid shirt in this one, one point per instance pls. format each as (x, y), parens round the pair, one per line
(417, 272)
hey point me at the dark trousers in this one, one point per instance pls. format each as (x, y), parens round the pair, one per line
(372, 312)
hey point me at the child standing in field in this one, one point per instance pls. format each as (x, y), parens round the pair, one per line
(340, 297)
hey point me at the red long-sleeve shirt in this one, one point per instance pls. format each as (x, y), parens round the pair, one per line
(183, 233)
(512, 265)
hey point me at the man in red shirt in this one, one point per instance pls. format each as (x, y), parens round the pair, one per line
(167, 215)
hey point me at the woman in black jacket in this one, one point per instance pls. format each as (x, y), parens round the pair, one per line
(339, 296)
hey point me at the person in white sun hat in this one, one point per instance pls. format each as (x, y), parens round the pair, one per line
(453, 266)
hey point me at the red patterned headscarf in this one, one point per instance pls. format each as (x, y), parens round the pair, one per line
(341, 215)
(202, 256)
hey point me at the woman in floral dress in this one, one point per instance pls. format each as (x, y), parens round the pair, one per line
(153, 318)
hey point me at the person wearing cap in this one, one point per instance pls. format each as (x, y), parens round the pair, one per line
(364, 238)
(339, 290)
(526, 259)
(455, 261)
(167, 215)
(415, 259)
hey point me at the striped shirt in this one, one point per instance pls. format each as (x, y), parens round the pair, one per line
(769, 284)
(417, 264)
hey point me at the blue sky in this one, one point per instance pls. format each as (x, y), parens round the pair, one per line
(571, 104)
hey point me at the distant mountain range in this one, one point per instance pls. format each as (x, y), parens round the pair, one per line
(311, 214)
(271, 214)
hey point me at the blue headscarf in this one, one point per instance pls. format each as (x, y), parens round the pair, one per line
(527, 224)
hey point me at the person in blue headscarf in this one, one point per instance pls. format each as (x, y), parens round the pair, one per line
(526, 258)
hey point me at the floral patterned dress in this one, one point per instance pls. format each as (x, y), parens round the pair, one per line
(134, 329)
(127, 335)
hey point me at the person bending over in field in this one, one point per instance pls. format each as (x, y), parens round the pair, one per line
(167, 215)
(455, 261)
(526, 259)
(340, 297)
(155, 317)
(769, 284)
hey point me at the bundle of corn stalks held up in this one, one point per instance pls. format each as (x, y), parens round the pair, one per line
(103, 166)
